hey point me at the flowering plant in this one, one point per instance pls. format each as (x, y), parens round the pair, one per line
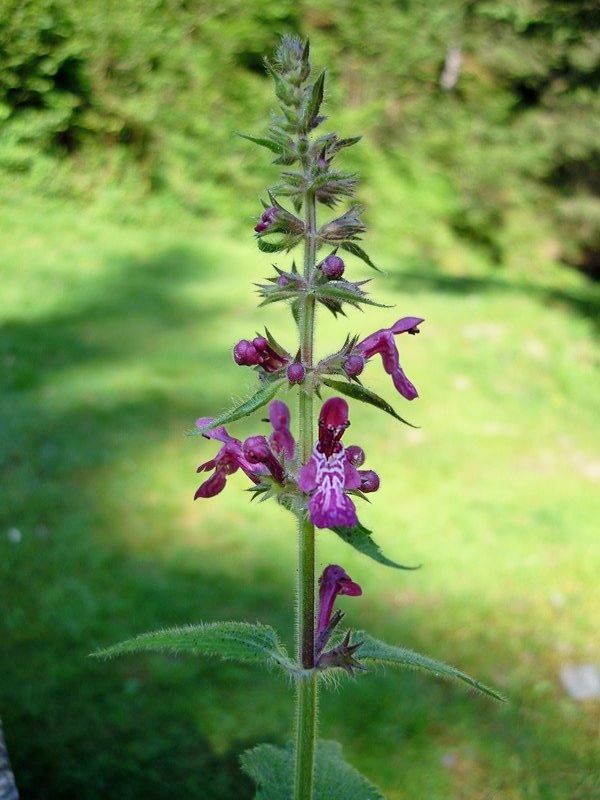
(319, 478)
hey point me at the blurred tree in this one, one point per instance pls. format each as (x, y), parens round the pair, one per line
(149, 87)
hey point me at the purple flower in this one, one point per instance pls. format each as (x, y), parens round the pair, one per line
(333, 581)
(354, 365)
(330, 472)
(281, 440)
(296, 372)
(259, 352)
(333, 267)
(256, 456)
(383, 343)
(256, 450)
(355, 455)
(228, 460)
(245, 354)
(369, 480)
(267, 218)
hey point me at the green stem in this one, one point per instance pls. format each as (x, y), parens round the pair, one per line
(306, 695)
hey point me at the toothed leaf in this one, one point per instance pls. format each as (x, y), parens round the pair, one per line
(380, 652)
(272, 768)
(359, 392)
(285, 243)
(274, 147)
(260, 398)
(357, 251)
(314, 103)
(336, 290)
(360, 538)
(234, 641)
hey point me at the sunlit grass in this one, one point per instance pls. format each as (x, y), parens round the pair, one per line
(115, 338)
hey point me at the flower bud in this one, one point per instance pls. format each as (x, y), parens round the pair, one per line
(355, 455)
(333, 267)
(256, 449)
(260, 343)
(369, 481)
(270, 214)
(267, 218)
(354, 365)
(245, 354)
(296, 372)
(282, 281)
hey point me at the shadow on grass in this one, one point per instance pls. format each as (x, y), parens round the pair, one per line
(585, 302)
(143, 726)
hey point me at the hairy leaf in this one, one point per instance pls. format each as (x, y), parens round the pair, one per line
(380, 652)
(272, 768)
(314, 102)
(359, 392)
(237, 641)
(286, 242)
(258, 399)
(356, 250)
(348, 142)
(336, 290)
(274, 147)
(360, 538)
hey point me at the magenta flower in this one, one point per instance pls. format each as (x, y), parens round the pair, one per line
(228, 460)
(296, 372)
(332, 267)
(281, 440)
(331, 472)
(256, 456)
(332, 582)
(256, 449)
(267, 218)
(259, 352)
(383, 343)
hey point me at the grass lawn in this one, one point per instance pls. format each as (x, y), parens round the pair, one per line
(115, 337)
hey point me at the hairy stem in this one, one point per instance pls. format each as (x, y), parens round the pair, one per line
(306, 696)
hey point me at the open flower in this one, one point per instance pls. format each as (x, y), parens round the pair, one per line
(281, 440)
(331, 472)
(228, 460)
(382, 342)
(256, 456)
(333, 581)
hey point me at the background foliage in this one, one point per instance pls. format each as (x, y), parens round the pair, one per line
(105, 92)
(127, 262)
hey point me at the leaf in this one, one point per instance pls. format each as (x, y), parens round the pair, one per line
(339, 291)
(314, 102)
(285, 243)
(272, 768)
(271, 247)
(360, 538)
(258, 399)
(383, 653)
(274, 147)
(348, 142)
(356, 250)
(236, 641)
(296, 311)
(281, 351)
(359, 392)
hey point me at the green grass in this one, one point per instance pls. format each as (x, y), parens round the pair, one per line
(116, 333)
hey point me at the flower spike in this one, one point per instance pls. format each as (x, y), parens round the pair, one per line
(382, 342)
